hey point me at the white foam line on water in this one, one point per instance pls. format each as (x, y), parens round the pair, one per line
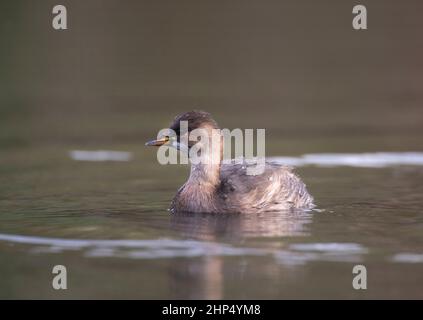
(139, 248)
(362, 160)
(85, 243)
(100, 155)
(330, 247)
(297, 254)
(408, 258)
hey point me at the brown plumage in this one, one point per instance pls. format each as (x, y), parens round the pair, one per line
(226, 187)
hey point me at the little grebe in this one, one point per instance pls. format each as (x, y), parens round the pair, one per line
(219, 187)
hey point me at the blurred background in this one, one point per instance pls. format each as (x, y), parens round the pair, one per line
(121, 72)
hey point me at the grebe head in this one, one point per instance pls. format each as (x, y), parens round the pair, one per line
(196, 120)
(193, 122)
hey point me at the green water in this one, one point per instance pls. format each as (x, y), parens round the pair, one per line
(121, 72)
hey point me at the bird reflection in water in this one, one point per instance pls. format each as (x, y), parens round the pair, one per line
(217, 227)
(205, 275)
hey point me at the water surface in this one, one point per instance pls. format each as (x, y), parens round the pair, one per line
(111, 229)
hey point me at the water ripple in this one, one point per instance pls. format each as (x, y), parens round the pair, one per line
(295, 254)
(100, 155)
(408, 258)
(362, 160)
